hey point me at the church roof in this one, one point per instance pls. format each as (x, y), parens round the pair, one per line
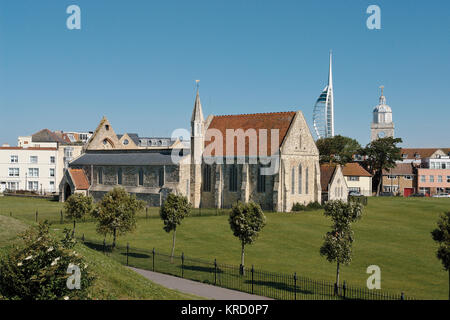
(197, 113)
(326, 175)
(125, 158)
(257, 121)
(79, 179)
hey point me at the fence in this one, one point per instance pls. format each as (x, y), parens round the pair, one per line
(57, 216)
(281, 286)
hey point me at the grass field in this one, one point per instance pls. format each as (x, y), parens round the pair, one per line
(394, 234)
(113, 280)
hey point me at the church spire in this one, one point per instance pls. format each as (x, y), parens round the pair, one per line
(197, 113)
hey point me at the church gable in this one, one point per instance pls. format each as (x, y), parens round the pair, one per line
(126, 142)
(104, 137)
(298, 139)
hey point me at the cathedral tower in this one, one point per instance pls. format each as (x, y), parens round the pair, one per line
(382, 125)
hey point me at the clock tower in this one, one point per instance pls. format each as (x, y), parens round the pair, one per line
(382, 125)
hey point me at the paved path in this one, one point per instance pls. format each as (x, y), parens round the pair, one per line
(196, 288)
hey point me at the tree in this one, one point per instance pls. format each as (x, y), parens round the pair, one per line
(442, 236)
(77, 206)
(337, 246)
(337, 149)
(38, 268)
(116, 213)
(381, 154)
(172, 212)
(246, 221)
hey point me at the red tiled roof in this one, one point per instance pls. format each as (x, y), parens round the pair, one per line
(423, 152)
(326, 174)
(400, 169)
(354, 169)
(79, 179)
(268, 121)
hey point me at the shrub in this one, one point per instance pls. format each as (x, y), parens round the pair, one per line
(314, 206)
(38, 270)
(299, 207)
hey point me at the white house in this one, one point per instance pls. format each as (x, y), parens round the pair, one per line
(358, 179)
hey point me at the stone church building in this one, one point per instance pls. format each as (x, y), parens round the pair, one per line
(268, 158)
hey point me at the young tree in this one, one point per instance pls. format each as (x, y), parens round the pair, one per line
(246, 221)
(172, 212)
(337, 149)
(38, 268)
(116, 213)
(380, 155)
(77, 206)
(337, 246)
(442, 236)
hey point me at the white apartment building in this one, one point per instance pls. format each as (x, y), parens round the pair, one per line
(32, 169)
(38, 162)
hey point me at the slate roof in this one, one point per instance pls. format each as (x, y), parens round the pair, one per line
(423, 152)
(46, 135)
(276, 120)
(125, 158)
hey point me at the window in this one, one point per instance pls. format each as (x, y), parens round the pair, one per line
(100, 176)
(33, 185)
(448, 179)
(233, 178)
(68, 152)
(207, 178)
(293, 181)
(306, 181)
(107, 127)
(33, 172)
(353, 178)
(33, 159)
(354, 189)
(422, 179)
(439, 178)
(52, 186)
(261, 183)
(119, 176)
(52, 159)
(392, 177)
(52, 172)
(13, 172)
(14, 159)
(408, 177)
(13, 185)
(300, 179)
(431, 178)
(126, 142)
(161, 177)
(141, 177)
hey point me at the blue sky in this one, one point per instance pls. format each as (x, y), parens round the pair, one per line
(136, 62)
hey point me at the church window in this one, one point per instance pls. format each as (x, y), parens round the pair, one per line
(233, 178)
(300, 179)
(100, 175)
(261, 183)
(293, 181)
(161, 177)
(207, 178)
(119, 176)
(306, 182)
(107, 127)
(126, 142)
(141, 177)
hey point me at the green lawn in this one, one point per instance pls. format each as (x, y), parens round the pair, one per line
(394, 234)
(113, 280)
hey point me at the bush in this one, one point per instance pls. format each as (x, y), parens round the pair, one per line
(311, 206)
(358, 199)
(314, 206)
(299, 207)
(39, 269)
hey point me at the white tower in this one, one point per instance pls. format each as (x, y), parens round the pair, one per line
(323, 115)
(382, 125)
(197, 146)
